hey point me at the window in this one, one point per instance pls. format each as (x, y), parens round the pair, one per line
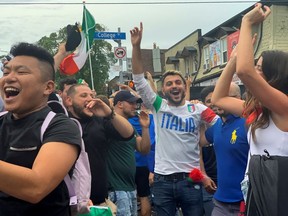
(195, 64)
(223, 42)
(176, 66)
(206, 58)
(187, 71)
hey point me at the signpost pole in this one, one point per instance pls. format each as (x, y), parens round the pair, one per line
(117, 37)
(120, 60)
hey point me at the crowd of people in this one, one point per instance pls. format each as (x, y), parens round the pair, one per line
(142, 146)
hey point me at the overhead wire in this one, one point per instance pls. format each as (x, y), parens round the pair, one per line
(141, 3)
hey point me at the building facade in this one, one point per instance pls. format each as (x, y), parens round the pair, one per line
(204, 57)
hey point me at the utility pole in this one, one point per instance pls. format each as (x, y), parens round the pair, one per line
(120, 60)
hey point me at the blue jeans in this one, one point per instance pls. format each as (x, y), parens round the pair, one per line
(208, 204)
(126, 202)
(171, 193)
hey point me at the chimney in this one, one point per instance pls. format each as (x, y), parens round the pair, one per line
(156, 58)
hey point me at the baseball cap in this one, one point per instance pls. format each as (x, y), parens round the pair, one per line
(126, 96)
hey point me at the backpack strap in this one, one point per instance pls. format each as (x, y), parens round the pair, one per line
(3, 113)
(45, 124)
(81, 132)
(57, 107)
(67, 179)
(72, 193)
(49, 117)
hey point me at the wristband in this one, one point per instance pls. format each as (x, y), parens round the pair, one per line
(111, 116)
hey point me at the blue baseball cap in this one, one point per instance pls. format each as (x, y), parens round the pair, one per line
(126, 96)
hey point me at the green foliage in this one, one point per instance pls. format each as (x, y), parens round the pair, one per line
(101, 58)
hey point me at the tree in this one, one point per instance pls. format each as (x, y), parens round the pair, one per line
(101, 57)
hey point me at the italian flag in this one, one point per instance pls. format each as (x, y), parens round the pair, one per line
(75, 61)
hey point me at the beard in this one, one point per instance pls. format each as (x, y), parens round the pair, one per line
(222, 114)
(129, 114)
(173, 102)
(79, 111)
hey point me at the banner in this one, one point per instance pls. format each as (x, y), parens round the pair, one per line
(232, 41)
(215, 53)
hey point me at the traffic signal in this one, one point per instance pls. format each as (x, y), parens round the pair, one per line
(131, 84)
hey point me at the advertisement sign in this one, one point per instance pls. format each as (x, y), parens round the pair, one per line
(232, 41)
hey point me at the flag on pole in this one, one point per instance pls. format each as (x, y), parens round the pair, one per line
(75, 61)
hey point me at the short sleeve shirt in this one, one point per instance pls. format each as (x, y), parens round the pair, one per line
(20, 144)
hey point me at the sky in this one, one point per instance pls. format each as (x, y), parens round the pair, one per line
(165, 22)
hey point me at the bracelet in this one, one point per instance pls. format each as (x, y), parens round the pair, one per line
(111, 116)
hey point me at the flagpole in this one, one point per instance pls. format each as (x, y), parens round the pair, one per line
(87, 38)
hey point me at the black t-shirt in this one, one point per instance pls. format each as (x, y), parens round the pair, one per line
(209, 159)
(96, 132)
(20, 144)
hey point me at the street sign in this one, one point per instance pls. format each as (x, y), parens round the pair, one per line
(120, 52)
(110, 35)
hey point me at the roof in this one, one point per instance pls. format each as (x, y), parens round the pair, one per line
(172, 60)
(147, 59)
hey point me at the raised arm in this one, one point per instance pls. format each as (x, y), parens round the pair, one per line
(220, 96)
(143, 145)
(136, 37)
(99, 108)
(254, 78)
(188, 84)
(245, 60)
(60, 55)
(127, 88)
(143, 88)
(151, 81)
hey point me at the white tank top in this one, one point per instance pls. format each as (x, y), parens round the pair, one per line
(274, 140)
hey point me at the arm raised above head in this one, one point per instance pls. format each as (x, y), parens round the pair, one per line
(136, 37)
(60, 55)
(256, 78)
(245, 59)
(220, 96)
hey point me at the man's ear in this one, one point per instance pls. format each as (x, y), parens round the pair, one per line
(68, 101)
(162, 90)
(50, 87)
(119, 104)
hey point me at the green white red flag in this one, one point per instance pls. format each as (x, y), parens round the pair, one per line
(75, 61)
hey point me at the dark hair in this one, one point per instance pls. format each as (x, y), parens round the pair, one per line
(27, 49)
(205, 91)
(172, 73)
(72, 89)
(275, 69)
(66, 81)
